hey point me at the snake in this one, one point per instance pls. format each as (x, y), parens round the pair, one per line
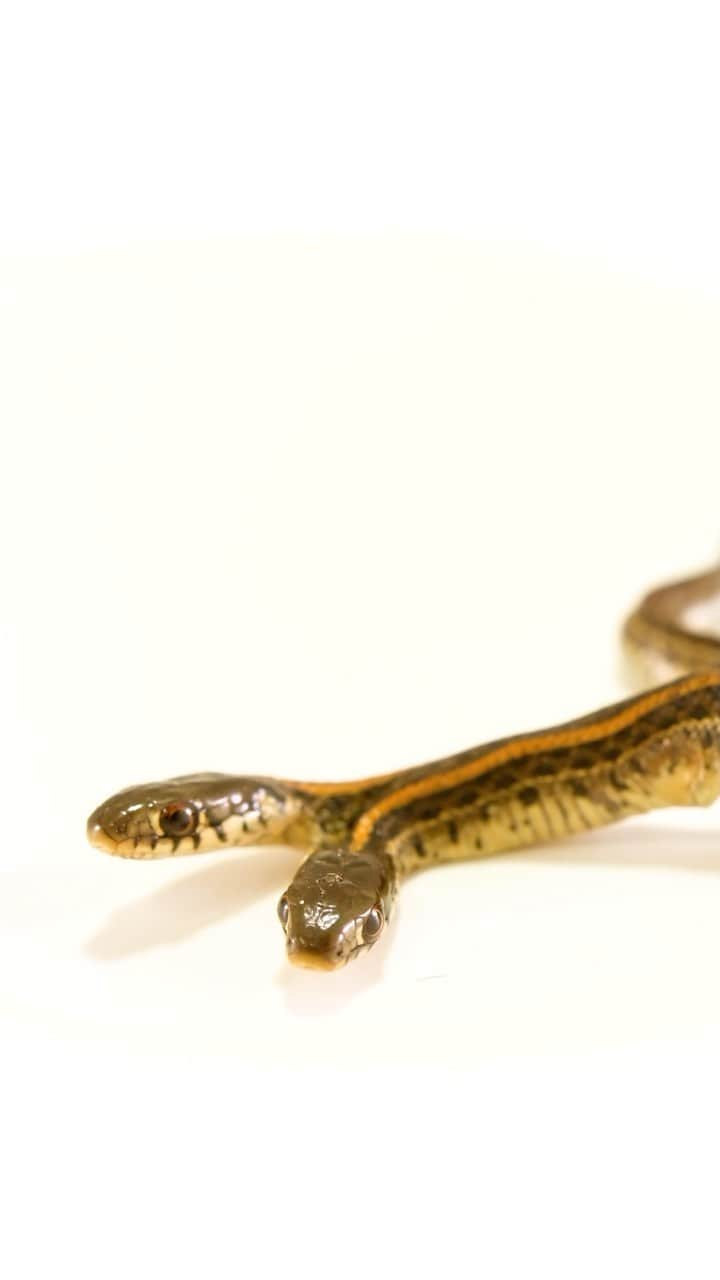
(360, 840)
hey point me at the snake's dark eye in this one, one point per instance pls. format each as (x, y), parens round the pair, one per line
(178, 820)
(373, 924)
(283, 911)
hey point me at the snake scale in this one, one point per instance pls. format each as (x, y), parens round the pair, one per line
(360, 839)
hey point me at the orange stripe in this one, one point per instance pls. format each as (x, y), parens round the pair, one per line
(532, 743)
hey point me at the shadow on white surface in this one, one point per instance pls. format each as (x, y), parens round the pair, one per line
(638, 847)
(186, 906)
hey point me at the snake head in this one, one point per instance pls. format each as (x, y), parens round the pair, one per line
(201, 811)
(337, 906)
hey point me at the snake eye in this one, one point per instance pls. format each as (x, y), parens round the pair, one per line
(372, 925)
(178, 820)
(283, 911)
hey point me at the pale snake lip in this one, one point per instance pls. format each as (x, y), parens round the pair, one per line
(99, 838)
(304, 958)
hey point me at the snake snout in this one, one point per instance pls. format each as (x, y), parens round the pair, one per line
(314, 957)
(98, 837)
(119, 827)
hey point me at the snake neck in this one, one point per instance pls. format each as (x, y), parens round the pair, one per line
(325, 817)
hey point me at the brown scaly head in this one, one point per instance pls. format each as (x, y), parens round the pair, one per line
(337, 906)
(191, 814)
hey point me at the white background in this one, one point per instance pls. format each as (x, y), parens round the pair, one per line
(359, 370)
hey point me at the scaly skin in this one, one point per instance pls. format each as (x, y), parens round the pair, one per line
(657, 749)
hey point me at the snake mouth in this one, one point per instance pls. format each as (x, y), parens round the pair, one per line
(147, 844)
(309, 958)
(119, 846)
(99, 838)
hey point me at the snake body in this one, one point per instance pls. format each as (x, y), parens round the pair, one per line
(360, 839)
